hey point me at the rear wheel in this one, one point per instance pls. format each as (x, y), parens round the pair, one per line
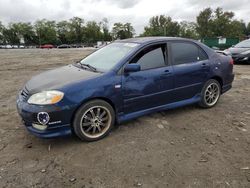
(210, 94)
(94, 120)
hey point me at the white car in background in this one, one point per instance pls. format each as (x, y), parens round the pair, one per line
(8, 46)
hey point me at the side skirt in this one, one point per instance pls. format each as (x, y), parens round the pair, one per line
(126, 117)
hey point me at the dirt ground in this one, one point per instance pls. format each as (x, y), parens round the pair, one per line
(185, 147)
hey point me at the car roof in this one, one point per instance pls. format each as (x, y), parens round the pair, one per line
(145, 40)
(149, 40)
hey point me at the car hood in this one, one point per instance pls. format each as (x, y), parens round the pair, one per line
(58, 77)
(235, 51)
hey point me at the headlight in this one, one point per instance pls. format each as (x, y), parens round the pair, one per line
(46, 97)
(246, 52)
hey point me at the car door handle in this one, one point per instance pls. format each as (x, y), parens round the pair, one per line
(204, 65)
(166, 72)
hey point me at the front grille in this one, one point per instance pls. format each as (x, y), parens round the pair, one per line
(25, 93)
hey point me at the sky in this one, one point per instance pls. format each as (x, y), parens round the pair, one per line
(136, 12)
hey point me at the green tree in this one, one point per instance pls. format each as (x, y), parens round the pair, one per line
(1, 33)
(161, 26)
(219, 23)
(27, 33)
(204, 23)
(236, 29)
(248, 29)
(11, 34)
(122, 31)
(105, 30)
(188, 30)
(129, 30)
(76, 30)
(244, 27)
(63, 32)
(117, 31)
(92, 32)
(46, 31)
(222, 23)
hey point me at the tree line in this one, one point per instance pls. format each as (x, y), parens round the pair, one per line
(209, 23)
(73, 31)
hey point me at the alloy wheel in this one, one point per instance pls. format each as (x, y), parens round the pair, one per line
(212, 94)
(95, 121)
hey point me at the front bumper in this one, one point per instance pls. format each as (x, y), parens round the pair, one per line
(63, 130)
(59, 118)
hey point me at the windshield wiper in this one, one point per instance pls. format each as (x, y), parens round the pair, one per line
(83, 65)
(89, 66)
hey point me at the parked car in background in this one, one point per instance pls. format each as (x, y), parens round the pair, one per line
(121, 81)
(8, 46)
(76, 46)
(240, 52)
(64, 46)
(47, 46)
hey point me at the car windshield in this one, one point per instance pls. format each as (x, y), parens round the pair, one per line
(108, 56)
(243, 44)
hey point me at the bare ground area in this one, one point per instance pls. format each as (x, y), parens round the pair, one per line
(185, 147)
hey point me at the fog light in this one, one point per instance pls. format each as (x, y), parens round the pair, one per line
(39, 127)
(43, 118)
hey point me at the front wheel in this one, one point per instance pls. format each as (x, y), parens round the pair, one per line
(210, 94)
(94, 120)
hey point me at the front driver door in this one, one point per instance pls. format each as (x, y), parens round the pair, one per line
(152, 86)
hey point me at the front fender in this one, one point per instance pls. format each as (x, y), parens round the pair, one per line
(103, 87)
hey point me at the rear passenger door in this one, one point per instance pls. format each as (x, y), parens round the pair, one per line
(152, 86)
(191, 69)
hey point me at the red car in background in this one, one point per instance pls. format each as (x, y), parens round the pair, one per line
(48, 46)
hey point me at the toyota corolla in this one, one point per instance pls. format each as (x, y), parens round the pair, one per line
(121, 81)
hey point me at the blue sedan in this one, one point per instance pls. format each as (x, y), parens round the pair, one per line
(121, 81)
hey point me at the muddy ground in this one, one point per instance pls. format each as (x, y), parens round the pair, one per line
(185, 147)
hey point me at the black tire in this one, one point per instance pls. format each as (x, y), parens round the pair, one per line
(87, 120)
(205, 94)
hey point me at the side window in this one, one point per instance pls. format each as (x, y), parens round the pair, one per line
(152, 57)
(183, 52)
(202, 55)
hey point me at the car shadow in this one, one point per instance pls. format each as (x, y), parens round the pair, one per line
(160, 114)
(72, 140)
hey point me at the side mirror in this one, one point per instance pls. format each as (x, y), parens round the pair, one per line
(132, 68)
